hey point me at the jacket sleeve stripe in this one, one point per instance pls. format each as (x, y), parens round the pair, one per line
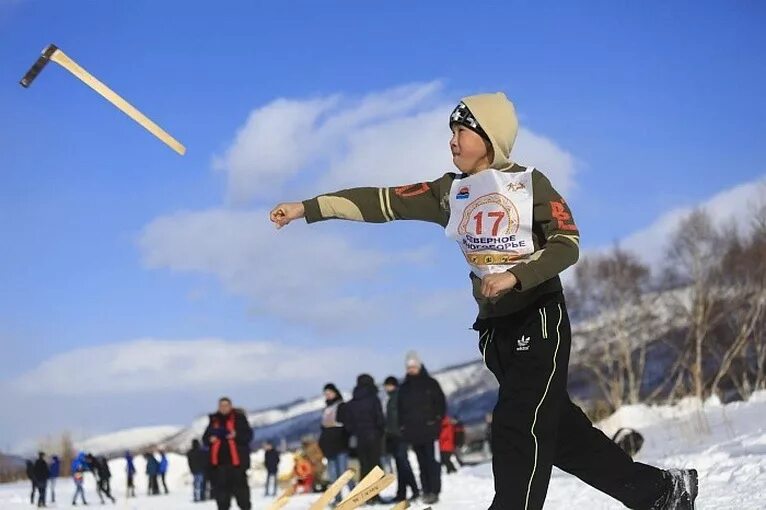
(572, 238)
(387, 193)
(383, 204)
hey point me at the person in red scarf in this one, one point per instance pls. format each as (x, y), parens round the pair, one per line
(228, 435)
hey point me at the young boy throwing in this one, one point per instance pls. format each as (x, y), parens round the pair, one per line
(517, 234)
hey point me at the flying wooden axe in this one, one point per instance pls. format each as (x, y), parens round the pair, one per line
(55, 54)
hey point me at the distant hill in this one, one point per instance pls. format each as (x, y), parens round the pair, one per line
(12, 467)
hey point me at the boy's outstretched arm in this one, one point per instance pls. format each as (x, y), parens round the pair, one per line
(423, 201)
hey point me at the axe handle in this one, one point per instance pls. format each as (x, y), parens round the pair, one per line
(131, 111)
(366, 494)
(373, 476)
(332, 491)
(278, 504)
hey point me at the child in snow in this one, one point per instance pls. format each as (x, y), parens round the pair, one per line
(304, 474)
(78, 476)
(447, 444)
(271, 463)
(517, 234)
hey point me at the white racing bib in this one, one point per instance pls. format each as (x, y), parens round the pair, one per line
(491, 219)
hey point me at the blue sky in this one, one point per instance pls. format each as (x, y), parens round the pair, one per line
(113, 246)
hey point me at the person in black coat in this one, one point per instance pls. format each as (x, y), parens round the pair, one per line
(421, 408)
(31, 477)
(363, 417)
(101, 474)
(40, 479)
(229, 435)
(104, 477)
(271, 463)
(197, 459)
(397, 446)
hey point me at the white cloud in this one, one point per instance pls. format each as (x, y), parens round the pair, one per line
(536, 150)
(444, 303)
(275, 142)
(727, 208)
(296, 273)
(415, 148)
(285, 136)
(161, 365)
(393, 152)
(391, 137)
(248, 254)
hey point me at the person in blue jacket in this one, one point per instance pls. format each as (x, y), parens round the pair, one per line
(54, 471)
(152, 471)
(81, 461)
(163, 469)
(130, 471)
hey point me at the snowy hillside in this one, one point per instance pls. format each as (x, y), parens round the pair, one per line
(135, 439)
(289, 421)
(10, 464)
(470, 389)
(727, 444)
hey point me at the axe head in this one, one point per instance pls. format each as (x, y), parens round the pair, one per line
(38, 66)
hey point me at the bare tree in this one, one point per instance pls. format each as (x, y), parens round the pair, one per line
(694, 258)
(712, 307)
(745, 278)
(722, 303)
(759, 347)
(61, 445)
(614, 285)
(744, 316)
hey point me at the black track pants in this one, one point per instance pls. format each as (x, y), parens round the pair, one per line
(535, 424)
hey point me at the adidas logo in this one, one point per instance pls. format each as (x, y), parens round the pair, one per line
(523, 343)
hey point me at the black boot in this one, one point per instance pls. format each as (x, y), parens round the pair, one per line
(682, 490)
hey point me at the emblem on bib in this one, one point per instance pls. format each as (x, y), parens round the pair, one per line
(491, 214)
(463, 193)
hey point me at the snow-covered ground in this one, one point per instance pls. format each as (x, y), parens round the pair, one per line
(727, 444)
